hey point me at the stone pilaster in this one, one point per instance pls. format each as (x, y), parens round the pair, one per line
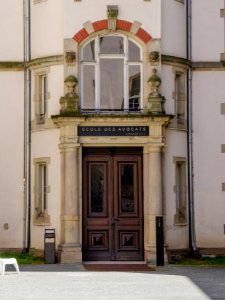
(71, 239)
(153, 202)
(70, 249)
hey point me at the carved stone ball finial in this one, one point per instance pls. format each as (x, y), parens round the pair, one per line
(154, 81)
(70, 83)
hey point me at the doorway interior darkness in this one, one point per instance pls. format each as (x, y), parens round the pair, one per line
(112, 204)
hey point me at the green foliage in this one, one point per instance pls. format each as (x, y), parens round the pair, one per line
(203, 261)
(24, 258)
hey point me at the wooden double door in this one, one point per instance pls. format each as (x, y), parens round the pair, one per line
(112, 204)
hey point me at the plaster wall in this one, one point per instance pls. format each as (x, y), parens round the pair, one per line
(209, 172)
(167, 88)
(173, 28)
(207, 30)
(11, 153)
(47, 28)
(77, 13)
(176, 235)
(56, 89)
(11, 31)
(45, 144)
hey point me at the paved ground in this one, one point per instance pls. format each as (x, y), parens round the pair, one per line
(67, 282)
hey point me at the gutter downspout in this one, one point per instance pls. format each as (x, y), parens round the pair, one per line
(27, 93)
(192, 239)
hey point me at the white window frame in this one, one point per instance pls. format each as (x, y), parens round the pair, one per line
(96, 64)
(179, 97)
(178, 105)
(41, 95)
(41, 190)
(180, 189)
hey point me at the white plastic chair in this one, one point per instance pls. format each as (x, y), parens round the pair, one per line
(8, 261)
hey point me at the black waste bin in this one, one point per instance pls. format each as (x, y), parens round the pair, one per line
(49, 246)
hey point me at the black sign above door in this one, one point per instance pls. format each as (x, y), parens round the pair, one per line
(113, 131)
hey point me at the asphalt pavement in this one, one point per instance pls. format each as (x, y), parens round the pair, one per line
(73, 281)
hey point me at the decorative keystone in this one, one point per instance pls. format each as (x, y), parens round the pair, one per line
(154, 58)
(70, 57)
(112, 13)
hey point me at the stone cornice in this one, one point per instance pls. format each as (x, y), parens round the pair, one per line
(11, 66)
(32, 64)
(46, 61)
(195, 65)
(174, 60)
(208, 66)
(101, 120)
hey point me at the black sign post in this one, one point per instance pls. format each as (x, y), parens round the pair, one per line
(159, 241)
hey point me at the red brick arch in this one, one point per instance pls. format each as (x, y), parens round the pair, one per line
(120, 24)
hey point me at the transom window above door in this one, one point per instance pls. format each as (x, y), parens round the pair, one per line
(111, 70)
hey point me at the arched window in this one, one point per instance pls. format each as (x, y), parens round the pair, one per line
(111, 68)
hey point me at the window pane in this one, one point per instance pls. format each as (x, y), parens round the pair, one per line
(89, 52)
(179, 96)
(134, 87)
(127, 187)
(42, 95)
(134, 52)
(42, 187)
(111, 45)
(111, 84)
(88, 87)
(97, 188)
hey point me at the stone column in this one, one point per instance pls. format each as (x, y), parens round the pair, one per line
(153, 203)
(70, 247)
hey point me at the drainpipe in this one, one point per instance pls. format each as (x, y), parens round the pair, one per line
(27, 93)
(192, 240)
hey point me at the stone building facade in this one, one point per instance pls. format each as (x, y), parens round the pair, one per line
(105, 127)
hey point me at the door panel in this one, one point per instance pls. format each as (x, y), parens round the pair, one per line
(97, 175)
(112, 206)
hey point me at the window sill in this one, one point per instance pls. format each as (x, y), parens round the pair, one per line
(180, 220)
(178, 124)
(40, 119)
(112, 112)
(43, 220)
